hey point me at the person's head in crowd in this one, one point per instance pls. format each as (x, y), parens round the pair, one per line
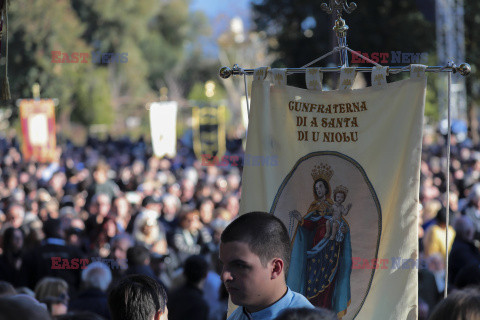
(474, 196)
(218, 225)
(205, 208)
(255, 251)
(203, 190)
(138, 297)
(171, 206)
(22, 307)
(54, 293)
(221, 184)
(441, 218)
(148, 186)
(146, 228)
(468, 276)
(79, 200)
(109, 227)
(138, 256)
(43, 196)
(307, 314)
(56, 183)
(431, 209)
(12, 181)
(100, 172)
(188, 190)
(15, 214)
(67, 201)
(6, 289)
(465, 230)
(97, 275)
(101, 204)
(53, 228)
(174, 189)
(68, 212)
(80, 315)
(73, 236)
(453, 201)
(195, 270)
(152, 203)
(191, 174)
(119, 246)
(190, 220)
(233, 181)
(223, 214)
(31, 206)
(460, 304)
(35, 235)
(121, 209)
(232, 204)
(217, 197)
(428, 190)
(138, 167)
(13, 239)
(18, 196)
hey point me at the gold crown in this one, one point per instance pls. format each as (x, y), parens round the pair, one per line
(341, 188)
(322, 171)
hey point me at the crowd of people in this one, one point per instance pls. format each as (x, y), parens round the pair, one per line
(109, 209)
(463, 228)
(75, 229)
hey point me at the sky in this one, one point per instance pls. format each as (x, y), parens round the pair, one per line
(220, 12)
(229, 8)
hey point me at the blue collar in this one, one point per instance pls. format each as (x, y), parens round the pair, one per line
(272, 311)
(56, 241)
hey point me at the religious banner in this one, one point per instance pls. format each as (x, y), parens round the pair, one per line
(346, 186)
(163, 128)
(209, 133)
(37, 119)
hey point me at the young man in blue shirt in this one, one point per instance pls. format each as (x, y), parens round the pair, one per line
(255, 251)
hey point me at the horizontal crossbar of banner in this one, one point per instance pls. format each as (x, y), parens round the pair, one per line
(464, 69)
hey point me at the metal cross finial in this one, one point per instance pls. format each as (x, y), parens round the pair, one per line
(336, 6)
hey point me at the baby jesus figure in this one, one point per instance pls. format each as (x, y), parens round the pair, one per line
(334, 224)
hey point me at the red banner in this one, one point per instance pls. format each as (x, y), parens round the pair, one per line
(38, 130)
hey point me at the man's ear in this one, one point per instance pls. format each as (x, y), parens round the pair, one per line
(277, 268)
(161, 315)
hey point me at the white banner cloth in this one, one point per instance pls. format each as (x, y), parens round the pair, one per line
(163, 127)
(346, 185)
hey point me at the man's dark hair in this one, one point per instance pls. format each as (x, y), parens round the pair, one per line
(137, 255)
(195, 269)
(136, 297)
(307, 314)
(265, 234)
(53, 228)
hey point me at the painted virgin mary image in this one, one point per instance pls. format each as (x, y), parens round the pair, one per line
(320, 265)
